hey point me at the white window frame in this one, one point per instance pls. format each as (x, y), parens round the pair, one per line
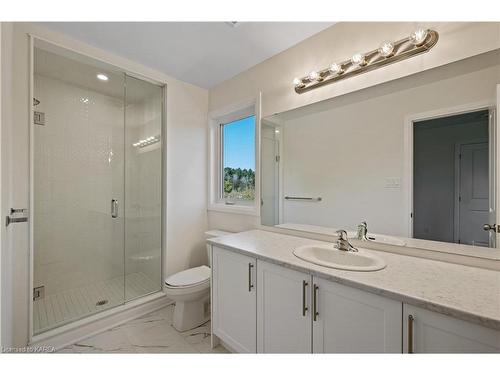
(215, 120)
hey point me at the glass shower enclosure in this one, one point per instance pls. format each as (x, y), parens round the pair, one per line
(96, 187)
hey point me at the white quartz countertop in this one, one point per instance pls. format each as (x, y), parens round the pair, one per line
(464, 292)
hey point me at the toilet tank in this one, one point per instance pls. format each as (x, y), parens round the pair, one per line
(213, 234)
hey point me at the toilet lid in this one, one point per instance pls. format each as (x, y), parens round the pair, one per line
(191, 276)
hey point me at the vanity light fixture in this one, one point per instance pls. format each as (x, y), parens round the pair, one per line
(418, 36)
(313, 76)
(297, 82)
(358, 59)
(386, 49)
(419, 41)
(336, 69)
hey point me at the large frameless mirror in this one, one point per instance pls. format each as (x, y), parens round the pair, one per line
(414, 158)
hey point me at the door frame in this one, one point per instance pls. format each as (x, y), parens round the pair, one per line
(456, 187)
(408, 152)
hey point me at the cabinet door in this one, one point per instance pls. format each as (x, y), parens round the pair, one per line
(426, 331)
(349, 320)
(234, 300)
(283, 310)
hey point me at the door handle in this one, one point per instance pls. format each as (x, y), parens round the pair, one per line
(114, 208)
(494, 227)
(13, 218)
(250, 285)
(411, 319)
(304, 306)
(315, 302)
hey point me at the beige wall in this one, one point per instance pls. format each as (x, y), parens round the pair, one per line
(273, 77)
(185, 167)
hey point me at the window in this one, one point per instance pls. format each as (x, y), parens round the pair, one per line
(237, 150)
(233, 173)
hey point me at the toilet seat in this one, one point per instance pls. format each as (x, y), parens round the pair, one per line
(197, 276)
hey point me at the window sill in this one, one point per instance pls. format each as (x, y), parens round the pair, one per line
(234, 209)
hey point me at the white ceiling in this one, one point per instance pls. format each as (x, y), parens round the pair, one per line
(201, 53)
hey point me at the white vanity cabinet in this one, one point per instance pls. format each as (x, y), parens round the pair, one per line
(283, 310)
(349, 320)
(426, 331)
(258, 306)
(234, 302)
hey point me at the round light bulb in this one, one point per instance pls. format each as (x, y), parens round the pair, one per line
(297, 81)
(336, 68)
(358, 59)
(313, 76)
(386, 49)
(418, 36)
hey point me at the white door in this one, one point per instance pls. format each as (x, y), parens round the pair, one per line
(283, 310)
(474, 191)
(429, 332)
(348, 320)
(234, 302)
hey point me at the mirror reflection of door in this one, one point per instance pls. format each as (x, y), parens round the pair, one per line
(473, 194)
(451, 187)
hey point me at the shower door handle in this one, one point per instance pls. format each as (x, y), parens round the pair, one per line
(114, 208)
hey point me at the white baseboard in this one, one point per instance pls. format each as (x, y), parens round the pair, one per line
(90, 326)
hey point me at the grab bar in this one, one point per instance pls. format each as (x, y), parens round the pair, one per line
(309, 199)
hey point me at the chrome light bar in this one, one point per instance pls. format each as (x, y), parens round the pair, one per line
(420, 41)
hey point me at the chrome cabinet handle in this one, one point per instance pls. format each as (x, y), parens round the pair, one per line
(114, 208)
(315, 302)
(250, 285)
(304, 307)
(411, 319)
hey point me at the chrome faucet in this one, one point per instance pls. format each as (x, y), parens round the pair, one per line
(362, 231)
(343, 243)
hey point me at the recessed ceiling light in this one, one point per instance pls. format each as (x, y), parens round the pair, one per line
(102, 77)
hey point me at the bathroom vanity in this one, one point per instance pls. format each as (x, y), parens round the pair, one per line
(267, 300)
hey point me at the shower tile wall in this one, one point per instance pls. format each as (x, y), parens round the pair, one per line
(73, 155)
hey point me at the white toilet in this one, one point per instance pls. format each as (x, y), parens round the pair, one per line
(190, 289)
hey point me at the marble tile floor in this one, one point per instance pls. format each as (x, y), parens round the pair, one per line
(151, 333)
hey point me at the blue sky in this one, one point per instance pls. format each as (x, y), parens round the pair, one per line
(239, 144)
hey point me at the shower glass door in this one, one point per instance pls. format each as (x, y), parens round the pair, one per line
(143, 187)
(96, 187)
(78, 187)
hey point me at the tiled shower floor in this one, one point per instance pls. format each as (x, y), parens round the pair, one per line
(57, 309)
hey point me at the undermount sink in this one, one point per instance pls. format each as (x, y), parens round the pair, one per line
(328, 256)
